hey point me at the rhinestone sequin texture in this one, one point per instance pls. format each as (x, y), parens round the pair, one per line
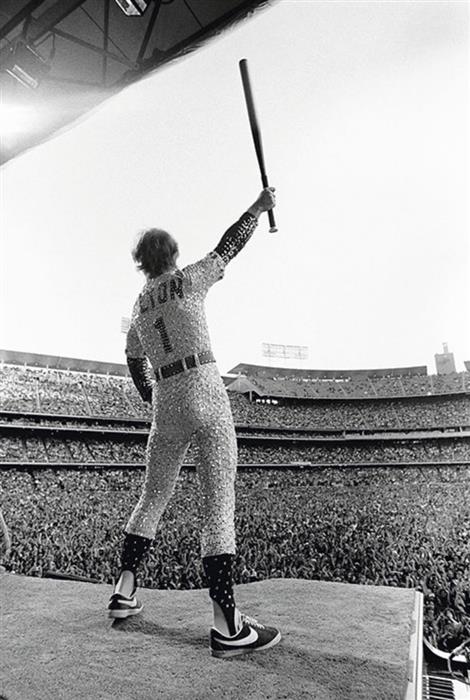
(192, 407)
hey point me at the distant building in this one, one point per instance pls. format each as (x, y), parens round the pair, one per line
(445, 362)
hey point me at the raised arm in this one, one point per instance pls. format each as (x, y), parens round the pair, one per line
(236, 237)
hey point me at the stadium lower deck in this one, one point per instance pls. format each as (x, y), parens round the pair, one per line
(357, 490)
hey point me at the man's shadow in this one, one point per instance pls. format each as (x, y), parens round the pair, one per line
(179, 636)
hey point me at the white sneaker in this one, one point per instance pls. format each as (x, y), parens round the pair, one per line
(120, 606)
(253, 636)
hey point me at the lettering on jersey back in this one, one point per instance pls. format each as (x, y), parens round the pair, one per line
(162, 293)
(168, 289)
(176, 287)
(146, 301)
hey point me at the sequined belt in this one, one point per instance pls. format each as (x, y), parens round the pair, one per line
(202, 358)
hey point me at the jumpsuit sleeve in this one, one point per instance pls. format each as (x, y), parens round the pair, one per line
(236, 237)
(138, 365)
(201, 275)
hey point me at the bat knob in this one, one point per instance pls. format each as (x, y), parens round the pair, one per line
(273, 229)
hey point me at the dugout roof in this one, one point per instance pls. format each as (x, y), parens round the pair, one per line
(80, 52)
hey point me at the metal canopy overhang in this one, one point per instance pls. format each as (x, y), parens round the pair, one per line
(83, 51)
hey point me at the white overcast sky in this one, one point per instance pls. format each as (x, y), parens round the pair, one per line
(364, 108)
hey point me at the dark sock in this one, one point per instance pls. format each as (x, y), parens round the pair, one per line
(134, 549)
(218, 571)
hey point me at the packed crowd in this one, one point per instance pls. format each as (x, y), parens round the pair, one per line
(29, 389)
(301, 386)
(278, 450)
(379, 452)
(406, 527)
(87, 394)
(8, 419)
(353, 415)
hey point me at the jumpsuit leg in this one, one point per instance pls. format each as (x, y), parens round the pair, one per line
(216, 464)
(165, 456)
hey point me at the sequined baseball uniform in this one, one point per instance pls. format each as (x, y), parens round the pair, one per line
(192, 407)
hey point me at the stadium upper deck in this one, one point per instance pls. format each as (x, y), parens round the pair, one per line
(275, 382)
(346, 384)
(63, 409)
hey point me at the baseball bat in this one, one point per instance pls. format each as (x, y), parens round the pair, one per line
(255, 132)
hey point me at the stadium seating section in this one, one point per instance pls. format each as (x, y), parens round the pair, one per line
(269, 428)
(52, 391)
(353, 517)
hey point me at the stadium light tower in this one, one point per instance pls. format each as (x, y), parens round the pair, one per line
(133, 8)
(445, 362)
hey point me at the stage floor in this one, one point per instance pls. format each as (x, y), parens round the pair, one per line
(340, 642)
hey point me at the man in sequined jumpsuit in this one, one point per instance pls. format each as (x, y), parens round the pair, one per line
(190, 406)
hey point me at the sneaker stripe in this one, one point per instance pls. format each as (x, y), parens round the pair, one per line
(119, 596)
(119, 599)
(251, 639)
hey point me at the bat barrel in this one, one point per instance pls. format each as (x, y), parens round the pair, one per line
(255, 132)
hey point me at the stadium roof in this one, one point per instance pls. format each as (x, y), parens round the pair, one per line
(281, 372)
(61, 58)
(32, 359)
(242, 385)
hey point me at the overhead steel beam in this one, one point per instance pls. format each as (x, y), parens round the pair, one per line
(193, 13)
(149, 30)
(98, 25)
(160, 57)
(105, 41)
(37, 28)
(47, 21)
(92, 47)
(19, 17)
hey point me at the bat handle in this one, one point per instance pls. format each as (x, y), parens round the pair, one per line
(272, 222)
